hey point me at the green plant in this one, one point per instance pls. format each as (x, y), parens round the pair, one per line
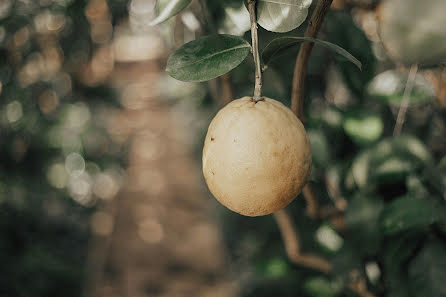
(375, 206)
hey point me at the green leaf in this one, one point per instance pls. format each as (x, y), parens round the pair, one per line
(390, 159)
(282, 15)
(427, 272)
(342, 30)
(397, 252)
(408, 213)
(279, 45)
(319, 147)
(363, 128)
(207, 57)
(170, 9)
(362, 219)
(389, 85)
(323, 287)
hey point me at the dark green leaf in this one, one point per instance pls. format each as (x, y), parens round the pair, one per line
(427, 272)
(319, 147)
(170, 9)
(396, 253)
(408, 213)
(342, 30)
(207, 57)
(362, 219)
(282, 15)
(279, 45)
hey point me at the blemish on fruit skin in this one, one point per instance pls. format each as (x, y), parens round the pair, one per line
(212, 138)
(213, 173)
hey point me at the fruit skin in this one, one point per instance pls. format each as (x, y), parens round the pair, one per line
(256, 156)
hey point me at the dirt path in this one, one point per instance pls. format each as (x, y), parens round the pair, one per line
(163, 242)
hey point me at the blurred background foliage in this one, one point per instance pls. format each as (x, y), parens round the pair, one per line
(57, 156)
(60, 157)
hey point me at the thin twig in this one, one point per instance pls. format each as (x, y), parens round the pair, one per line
(292, 245)
(255, 50)
(339, 201)
(300, 70)
(360, 288)
(311, 199)
(405, 101)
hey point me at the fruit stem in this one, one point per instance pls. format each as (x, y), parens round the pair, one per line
(255, 51)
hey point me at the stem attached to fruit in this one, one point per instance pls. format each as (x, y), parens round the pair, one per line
(255, 51)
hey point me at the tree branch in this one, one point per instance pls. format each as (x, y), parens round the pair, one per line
(226, 89)
(292, 245)
(300, 70)
(405, 101)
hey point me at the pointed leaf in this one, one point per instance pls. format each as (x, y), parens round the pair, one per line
(282, 15)
(207, 57)
(279, 45)
(172, 8)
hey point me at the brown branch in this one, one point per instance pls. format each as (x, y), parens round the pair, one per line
(339, 201)
(360, 288)
(405, 101)
(226, 89)
(311, 199)
(300, 70)
(292, 245)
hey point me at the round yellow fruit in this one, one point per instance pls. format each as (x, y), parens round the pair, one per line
(256, 156)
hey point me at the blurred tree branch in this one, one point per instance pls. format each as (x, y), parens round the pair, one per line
(405, 101)
(292, 245)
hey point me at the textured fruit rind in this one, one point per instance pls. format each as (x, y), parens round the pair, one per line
(256, 156)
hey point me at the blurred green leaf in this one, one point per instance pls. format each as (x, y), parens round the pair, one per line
(281, 44)
(282, 15)
(390, 160)
(207, 57)
(342, 30)
(323, 287)
(427, 272)
(363, 128)
(362, 219)
(389, 87)
(169, 10)
(396, 253)
(346, 260)
(319, 147)
(236, 20)
(407, 213)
